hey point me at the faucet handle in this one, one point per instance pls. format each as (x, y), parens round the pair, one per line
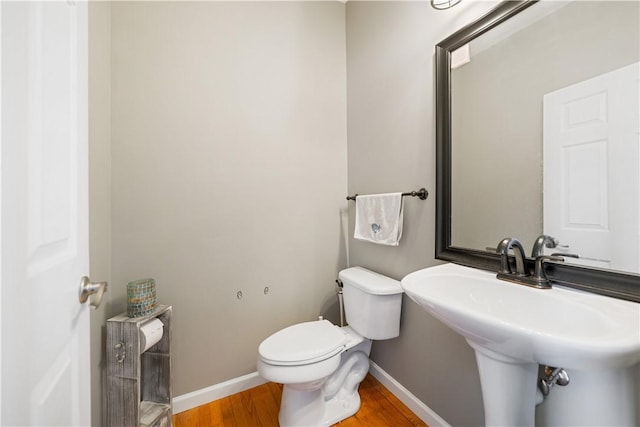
(538, 271)
(566, 255)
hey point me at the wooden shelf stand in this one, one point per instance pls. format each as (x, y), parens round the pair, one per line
(139, 388)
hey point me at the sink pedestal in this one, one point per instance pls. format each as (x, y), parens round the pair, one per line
(508, 388)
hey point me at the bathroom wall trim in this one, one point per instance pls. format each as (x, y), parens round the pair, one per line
(205, 395)
(196, 398)
(426, 414)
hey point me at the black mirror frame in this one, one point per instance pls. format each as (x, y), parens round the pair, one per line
(604, 282)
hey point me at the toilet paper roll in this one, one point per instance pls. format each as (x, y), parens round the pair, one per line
(150, 333)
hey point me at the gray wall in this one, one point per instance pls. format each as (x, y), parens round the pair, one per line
(490, 124)
(99, 190)
(391, 134)
(228, 170)
(228, 150)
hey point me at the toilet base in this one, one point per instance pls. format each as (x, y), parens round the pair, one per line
(336, 400)
(306, 408)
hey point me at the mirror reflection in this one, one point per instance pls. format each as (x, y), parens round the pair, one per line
(545, 133)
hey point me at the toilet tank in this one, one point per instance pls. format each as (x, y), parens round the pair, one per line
(372, 303)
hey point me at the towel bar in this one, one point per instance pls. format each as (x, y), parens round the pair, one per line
(421, 194)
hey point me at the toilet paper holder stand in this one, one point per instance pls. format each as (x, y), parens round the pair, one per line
(139, 383)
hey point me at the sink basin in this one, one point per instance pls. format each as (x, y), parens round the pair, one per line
(514, 329)
(555, 327)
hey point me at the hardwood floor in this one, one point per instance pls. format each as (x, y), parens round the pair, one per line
(259, 407)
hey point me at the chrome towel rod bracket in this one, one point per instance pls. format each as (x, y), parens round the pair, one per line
(422, 194)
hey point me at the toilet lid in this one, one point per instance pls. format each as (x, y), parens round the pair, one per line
(303, 343)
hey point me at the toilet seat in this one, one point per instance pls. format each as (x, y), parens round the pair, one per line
(303, 343)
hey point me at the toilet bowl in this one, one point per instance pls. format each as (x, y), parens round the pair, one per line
(326, 356)
(320, 364)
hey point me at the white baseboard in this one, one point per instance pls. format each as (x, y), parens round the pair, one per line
(188, 401)
(423, 412)
(236, 385)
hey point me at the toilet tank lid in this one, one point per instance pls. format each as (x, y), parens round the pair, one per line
(370, 281)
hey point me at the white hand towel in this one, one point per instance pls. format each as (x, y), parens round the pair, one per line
(379, 218)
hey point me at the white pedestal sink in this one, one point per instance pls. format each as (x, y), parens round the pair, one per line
(514, 329)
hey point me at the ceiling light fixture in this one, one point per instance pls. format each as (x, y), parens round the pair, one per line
(444, 4)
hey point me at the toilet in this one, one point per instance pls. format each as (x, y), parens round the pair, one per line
(320, 364)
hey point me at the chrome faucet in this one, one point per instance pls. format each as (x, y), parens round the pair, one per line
(507, 244)
(541, 242)
(521, 276)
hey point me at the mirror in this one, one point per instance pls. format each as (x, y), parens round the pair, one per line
(526, 100)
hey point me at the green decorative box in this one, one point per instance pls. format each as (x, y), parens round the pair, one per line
(141, 297)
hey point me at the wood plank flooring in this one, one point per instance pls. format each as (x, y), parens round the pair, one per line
(258, 407)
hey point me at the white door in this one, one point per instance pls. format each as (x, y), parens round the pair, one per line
(45, 330)
(591, 169)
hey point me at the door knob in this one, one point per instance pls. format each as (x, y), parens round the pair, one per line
(88, 288)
